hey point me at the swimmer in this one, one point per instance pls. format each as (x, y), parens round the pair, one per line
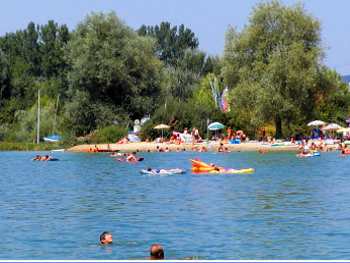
(131, 158)
(216, 168)
(37, 158)
(262, 151)
(154, 170)
(203, 149)
(221, 148)
(44, 158)
(156, 252)
(106, 238)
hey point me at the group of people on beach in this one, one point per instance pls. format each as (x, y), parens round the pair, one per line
(231, 134)
(156, 251)
(180, 138)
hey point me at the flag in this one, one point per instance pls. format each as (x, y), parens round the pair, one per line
(224, 105)
(215, 91)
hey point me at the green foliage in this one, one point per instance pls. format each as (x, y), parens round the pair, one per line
(15, 146)
(172, 42)
(28, 56)
(273, 66)
(83, 115)
(109, 134)
(185, 64)
(181, 115)
(24, 127)
(5, 92)
(114, 65)
(333, 100)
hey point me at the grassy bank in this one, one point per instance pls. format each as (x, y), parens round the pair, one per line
(14, 146)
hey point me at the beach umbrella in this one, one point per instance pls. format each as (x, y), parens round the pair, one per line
(316, 123)
(215, 126)
(162, 127)
(343, 130)
(332, 127)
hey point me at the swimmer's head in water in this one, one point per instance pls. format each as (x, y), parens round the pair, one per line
(156, 252)
(106, 238)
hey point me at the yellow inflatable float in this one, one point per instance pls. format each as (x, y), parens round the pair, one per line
(202, 167)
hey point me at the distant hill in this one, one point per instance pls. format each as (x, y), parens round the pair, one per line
(346, 78)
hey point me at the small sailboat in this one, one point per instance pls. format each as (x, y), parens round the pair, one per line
(54, 137)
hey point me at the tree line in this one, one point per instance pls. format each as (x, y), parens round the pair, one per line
(96, 79)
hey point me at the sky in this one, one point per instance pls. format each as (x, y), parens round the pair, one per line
(208, 19)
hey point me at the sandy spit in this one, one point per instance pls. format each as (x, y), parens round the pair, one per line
(151, 146)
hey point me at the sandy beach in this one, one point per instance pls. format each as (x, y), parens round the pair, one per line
(152, 146)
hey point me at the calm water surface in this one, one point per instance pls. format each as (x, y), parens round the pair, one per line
(289, 209)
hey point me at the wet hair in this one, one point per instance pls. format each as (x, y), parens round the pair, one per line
(156, 251)
(103, 235)
(149, 169)
(148, 150)
(133, 152)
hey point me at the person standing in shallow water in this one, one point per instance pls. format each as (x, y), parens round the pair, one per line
(106, 238)
(156, 252)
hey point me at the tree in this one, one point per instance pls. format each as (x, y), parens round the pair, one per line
(274, 62)
(114, 65)
(185, 65)
(54, 39)
(5, 91)
(171, 42)
(333, 100)
(31, 49)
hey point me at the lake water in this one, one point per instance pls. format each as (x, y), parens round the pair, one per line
(289, 208)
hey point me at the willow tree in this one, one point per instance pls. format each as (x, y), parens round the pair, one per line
(272, 65)
(114, 66)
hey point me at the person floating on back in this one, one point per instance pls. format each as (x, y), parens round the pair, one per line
(106, 238)
(156, 252)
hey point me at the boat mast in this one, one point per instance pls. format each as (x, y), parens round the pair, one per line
(56, 111)
(38, 120)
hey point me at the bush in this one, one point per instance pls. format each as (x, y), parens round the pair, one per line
(109, 134)
(13, 146)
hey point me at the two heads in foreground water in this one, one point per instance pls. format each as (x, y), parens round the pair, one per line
(156, 250)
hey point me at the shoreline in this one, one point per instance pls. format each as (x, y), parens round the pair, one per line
(152, 147)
